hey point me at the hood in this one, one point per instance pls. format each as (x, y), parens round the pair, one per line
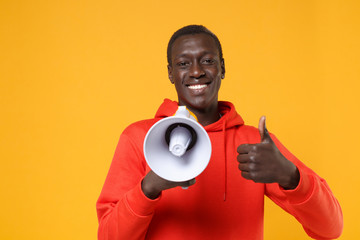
(230, 118)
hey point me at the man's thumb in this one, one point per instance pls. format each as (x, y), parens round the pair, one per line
(264, 134)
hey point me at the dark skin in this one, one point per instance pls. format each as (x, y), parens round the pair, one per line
(196, 70)
(264, 163)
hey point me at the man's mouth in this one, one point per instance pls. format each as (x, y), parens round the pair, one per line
(197, 86)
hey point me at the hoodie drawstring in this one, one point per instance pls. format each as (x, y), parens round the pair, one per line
(225, 158)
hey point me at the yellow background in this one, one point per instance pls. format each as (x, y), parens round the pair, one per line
(74, 74)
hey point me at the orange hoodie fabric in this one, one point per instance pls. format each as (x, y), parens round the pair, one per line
(221, 204)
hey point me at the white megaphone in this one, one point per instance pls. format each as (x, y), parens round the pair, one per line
(177, 148)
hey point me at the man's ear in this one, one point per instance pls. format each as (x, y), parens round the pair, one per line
(170, 74)
(222, 65)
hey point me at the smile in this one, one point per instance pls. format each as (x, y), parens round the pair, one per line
(197, 86)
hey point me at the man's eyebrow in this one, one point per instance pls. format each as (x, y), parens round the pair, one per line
(186, 54)
(181, 55)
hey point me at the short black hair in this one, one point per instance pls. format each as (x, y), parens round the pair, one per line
(191, 30)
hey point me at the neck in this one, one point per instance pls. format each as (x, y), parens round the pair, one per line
(206, 116)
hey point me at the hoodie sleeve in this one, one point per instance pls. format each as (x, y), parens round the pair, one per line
(124, 212)
(312, 203)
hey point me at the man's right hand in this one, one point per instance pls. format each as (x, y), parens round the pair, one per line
(152, 185)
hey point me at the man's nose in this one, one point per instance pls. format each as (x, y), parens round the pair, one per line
(196, 70)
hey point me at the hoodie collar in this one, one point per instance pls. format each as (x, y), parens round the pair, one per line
(230, 118)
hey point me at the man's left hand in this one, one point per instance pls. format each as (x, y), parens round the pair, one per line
(264, 163)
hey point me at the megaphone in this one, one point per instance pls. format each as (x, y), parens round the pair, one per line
(177, 148)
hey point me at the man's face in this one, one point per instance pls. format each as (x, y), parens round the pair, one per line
(196, 70)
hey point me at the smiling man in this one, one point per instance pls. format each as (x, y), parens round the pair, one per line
(227, 200)
(196, 68)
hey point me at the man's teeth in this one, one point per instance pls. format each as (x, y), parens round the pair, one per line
(198, 86)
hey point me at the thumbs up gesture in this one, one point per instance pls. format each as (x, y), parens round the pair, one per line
(264, 163)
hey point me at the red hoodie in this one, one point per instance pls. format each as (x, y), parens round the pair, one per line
(221, 204)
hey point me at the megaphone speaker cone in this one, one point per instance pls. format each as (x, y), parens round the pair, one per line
(194, 153)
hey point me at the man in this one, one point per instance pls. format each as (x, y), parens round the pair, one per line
(227, 200)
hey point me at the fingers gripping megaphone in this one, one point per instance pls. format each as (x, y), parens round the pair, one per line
(177, 148)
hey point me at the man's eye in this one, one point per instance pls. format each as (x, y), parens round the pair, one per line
(208, 61)
(182, 64)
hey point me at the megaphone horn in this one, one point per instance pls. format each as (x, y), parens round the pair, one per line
(177, 148)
